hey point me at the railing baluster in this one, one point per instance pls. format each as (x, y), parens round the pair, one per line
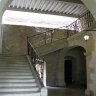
(51, 36)
(45, 38)
(84, 22)
(35, 58)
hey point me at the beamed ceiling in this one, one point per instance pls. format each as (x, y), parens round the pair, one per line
(73, 8)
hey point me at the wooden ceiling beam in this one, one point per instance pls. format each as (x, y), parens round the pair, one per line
(42, 12)
(71, 1)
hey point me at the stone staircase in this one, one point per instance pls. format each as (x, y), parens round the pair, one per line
(16, 77)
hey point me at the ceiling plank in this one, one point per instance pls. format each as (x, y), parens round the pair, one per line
(71, 1)
(42, 12)
(44, 6)
(53, 6)
(60, 7)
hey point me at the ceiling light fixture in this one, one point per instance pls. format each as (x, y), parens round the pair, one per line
(88, 35)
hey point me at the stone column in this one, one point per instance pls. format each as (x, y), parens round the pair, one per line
(60, 71)
(90, 65)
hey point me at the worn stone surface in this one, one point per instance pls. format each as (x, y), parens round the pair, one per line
(54, 68)
(53, 91)
(51, 47)
(15, 39)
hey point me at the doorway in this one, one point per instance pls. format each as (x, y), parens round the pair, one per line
(75, 68)
(68, 71)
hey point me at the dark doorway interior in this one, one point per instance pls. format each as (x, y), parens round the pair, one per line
(68, 71)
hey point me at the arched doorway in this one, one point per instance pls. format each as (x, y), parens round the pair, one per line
(75, 67)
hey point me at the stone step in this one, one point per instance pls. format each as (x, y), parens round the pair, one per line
(17, 80)
(7, 84)
(13, 57)
(12, 70)
(20, 93)
(14, 74)
(19, 77)
(18, 89)
(14, 65)
(13, 60)
(24, 68)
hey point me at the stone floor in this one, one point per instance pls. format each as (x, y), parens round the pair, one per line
(55, 91)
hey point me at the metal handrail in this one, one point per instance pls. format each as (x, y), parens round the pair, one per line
(43, 90)
(83, 23)
(87, 17)
(78, 18)
(47, 37)
(40, 33)
(34, 56)
(28, 41)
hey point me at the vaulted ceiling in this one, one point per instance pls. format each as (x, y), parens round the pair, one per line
(73, 8)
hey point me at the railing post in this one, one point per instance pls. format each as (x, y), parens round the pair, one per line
(45, 38)
(51, 36)
(88, 16)
(44, 92)
(27, 45)
(67, 31)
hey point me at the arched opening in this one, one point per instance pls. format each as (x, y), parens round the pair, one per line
(75, 67)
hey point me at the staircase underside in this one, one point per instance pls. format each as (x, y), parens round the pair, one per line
(51, 47)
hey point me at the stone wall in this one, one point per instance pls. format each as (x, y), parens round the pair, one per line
(90, 47)
(55, 68)
(15, 39)
(78, 58)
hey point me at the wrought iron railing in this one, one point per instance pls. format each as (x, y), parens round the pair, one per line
(36, 61)
(83, 23)
(48, 37)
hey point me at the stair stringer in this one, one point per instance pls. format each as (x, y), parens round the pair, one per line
(51, 47)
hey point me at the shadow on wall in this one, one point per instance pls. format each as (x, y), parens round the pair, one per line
(76, 67)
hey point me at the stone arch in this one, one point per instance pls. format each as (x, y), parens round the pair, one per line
(78, 58)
